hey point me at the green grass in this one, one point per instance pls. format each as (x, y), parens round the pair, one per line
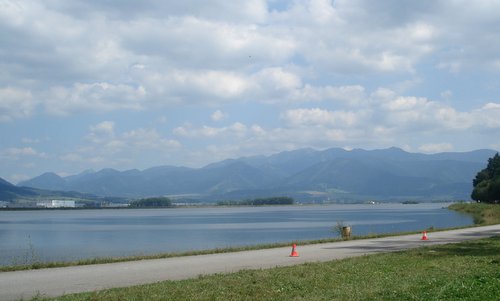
(464, 271)
(483, 214)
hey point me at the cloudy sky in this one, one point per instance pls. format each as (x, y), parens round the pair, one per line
(89, 84)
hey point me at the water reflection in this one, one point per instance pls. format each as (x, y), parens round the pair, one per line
(75, 234)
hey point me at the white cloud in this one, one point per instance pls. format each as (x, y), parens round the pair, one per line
(218, 115)
(101, 132)
(183, 58)
(106, 127)
(356, 45)
(25, 151)
(107, 145)
(30, 140)
(219, 52)
(316, 116)
(377, 120)
(447, 94)
(471, 43)
(148, 139)
(72, 157)
(257, 130)
(197, 43)
(98, 97)
(496, 64)
(278, 79)
(220, 84)
(408, 112)
(15, 103)
(15, 153)
(295, 73)
(237, 129)
(487, 116)
(178, 87)
(491, 106)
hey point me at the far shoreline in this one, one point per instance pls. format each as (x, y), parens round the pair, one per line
(215, 205)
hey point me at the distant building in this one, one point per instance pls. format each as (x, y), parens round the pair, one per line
(57, 204)
(60, 204)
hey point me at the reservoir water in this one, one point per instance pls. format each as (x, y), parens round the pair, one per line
(64, 235)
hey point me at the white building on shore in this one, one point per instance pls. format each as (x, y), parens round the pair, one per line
(57, 204)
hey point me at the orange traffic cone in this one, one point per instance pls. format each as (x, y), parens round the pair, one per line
(294, 251)
(424, 236)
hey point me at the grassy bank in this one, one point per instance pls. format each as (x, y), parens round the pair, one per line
(465, 271)
(43, 265)
(104, 260)
(483, 214)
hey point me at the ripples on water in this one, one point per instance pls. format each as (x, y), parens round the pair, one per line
(58, 235)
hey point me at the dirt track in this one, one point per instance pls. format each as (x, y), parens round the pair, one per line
(59, 281)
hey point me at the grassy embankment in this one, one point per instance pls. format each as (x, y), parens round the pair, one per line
(484, 214)
(465, 271)
(102, 260)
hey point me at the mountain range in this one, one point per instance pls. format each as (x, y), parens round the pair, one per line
(10, 193)
(308, 174)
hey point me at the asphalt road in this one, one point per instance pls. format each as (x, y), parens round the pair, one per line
(59, 281)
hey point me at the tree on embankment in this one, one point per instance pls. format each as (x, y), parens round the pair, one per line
(158, 202)
(279, 200)
(487, 182)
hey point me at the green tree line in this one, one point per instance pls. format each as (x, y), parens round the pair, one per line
(157, 202)
(487, 182)
(279, 200)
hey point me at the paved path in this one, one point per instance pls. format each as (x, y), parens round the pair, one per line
(59, 281)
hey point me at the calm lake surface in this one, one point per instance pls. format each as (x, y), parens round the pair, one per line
(60, 235)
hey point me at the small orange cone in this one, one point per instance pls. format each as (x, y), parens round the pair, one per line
(424, 236)
(294, 251)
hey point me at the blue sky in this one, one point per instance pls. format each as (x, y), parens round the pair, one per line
(90, 84)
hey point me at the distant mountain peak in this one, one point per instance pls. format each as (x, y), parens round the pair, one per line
(87, 171)
(50, 174)
(5, 183)
(394, 148)
(48, 180)
(44, 177)
(219, 164)
(358, 173)
(108, 170)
